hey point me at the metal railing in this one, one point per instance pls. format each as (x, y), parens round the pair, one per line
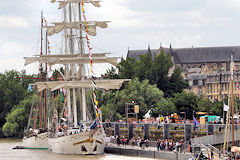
(208, 148)
(216, 151)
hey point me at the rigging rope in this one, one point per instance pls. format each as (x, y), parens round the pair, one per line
(98, 111)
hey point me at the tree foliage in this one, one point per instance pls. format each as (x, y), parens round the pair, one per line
(142, 93)
(177, 83)
(185, 102)
(12, 90)
(126, 68)
(156, 71)
(161, 66)
(112, 73)
(164, 108)
(143, 67)
(17, 119)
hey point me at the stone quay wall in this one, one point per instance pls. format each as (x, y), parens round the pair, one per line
(148, 153)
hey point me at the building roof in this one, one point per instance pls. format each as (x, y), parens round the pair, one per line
(137, 53)
(195, 55)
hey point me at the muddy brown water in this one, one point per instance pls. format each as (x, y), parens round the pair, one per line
(7, 153)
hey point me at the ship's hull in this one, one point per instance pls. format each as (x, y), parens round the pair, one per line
(83, 143)
(36, 142)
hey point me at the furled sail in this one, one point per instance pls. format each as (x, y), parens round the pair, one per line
(62, 4)
(91, 29)
(74, 55)
(52, 60)
(104, 84)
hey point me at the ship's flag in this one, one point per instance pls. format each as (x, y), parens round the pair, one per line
(225, 107)
(195, 122)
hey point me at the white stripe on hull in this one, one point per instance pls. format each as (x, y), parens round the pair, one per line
(75, 144)
(40, 141)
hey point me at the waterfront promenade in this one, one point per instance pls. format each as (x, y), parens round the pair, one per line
(150, 152)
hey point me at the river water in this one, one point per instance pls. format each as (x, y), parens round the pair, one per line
(7, 153)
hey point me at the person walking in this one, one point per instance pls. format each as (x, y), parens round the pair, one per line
(118, 140)
(212, 153)
(147, 143)
(177, 146)
(142, 143)
(158, 144)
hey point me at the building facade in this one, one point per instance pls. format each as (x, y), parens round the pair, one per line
(206, 69)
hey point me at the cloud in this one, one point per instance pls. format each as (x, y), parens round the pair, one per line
(134, 24)
(13, 22)
(11, 63)
(9, 49)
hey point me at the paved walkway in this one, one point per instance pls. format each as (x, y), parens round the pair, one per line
(150, 152)
(136, 147)
(216, 139)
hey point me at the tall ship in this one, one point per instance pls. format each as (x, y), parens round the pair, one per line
(36, 135)
(77, 128)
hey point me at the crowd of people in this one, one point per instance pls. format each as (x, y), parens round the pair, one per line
(168, 145)
(162, 145)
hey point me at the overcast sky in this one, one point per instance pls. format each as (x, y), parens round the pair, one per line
(134, 24)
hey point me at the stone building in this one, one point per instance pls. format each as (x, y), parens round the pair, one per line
(206, 69)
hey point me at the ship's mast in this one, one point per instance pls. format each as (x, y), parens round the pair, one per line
(41, 72)
(69, 59)
(66, 78)
(81, 67)
(45, 91)
(231, 95)
(232, 98)
(73, 68)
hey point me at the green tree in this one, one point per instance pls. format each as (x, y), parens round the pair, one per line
(126, 68)
(185, 102)
(12, 90)
(156, 71)
(143, 67)
(112, 73)
(165, 107)
(17, 119)
(217, 108)
(176, 82)
(161, 66)
(204, 105)
(145, 95)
